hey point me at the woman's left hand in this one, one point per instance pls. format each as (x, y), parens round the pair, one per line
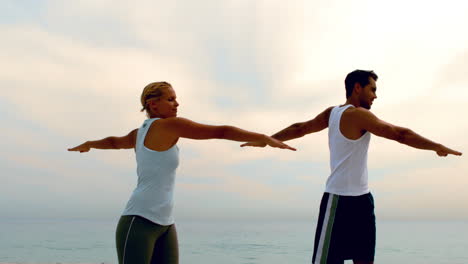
(81, 148)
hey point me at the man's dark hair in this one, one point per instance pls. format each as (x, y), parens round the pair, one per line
(358, 76)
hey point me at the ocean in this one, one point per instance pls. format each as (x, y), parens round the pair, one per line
(227, 242)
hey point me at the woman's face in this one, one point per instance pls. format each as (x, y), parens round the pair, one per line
(166, 105)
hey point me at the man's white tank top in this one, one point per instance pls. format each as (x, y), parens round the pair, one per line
(348, 159)
(153, 196)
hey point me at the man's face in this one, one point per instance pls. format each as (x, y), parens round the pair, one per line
(368, 94)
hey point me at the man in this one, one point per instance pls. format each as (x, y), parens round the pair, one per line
(346, 224)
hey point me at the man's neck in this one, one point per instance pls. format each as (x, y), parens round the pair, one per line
(352, 101)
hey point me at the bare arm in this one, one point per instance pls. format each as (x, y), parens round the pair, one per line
(185, 128)
(368, 121)
(298, 130)
(125, 142)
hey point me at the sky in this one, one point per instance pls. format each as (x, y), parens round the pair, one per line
(73, 71)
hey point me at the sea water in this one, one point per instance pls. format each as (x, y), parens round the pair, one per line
(227, 242)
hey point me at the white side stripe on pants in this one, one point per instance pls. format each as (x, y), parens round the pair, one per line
(126, 239)
(323, 234)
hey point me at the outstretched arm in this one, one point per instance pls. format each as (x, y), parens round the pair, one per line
(125, 142)
(298, 130)
(185, 128)
(368, 121)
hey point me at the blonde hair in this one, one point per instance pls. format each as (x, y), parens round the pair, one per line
(152, 91)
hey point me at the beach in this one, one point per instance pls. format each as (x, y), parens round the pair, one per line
(228, 242)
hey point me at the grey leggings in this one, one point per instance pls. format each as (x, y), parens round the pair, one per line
(140, 241)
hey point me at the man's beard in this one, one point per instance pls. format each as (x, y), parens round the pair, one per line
(365, 104)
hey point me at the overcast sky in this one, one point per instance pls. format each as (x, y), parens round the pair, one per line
(73, 71)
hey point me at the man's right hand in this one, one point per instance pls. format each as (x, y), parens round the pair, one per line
(443, 151)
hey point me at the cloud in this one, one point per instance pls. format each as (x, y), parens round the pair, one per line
(453, 79)
(434, 191)
(258, 65)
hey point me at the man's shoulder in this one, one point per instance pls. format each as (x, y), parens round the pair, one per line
(358, 111)
(358, 115)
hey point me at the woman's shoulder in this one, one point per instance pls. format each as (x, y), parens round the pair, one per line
(172, 121)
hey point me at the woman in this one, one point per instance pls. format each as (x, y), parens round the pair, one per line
(146, 232)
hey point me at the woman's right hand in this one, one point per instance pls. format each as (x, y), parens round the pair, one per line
(272, 142)
(254, 144)
(443, 151)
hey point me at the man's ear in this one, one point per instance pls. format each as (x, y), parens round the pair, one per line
(357, 88)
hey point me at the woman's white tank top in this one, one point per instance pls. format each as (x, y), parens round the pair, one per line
(153, 196)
